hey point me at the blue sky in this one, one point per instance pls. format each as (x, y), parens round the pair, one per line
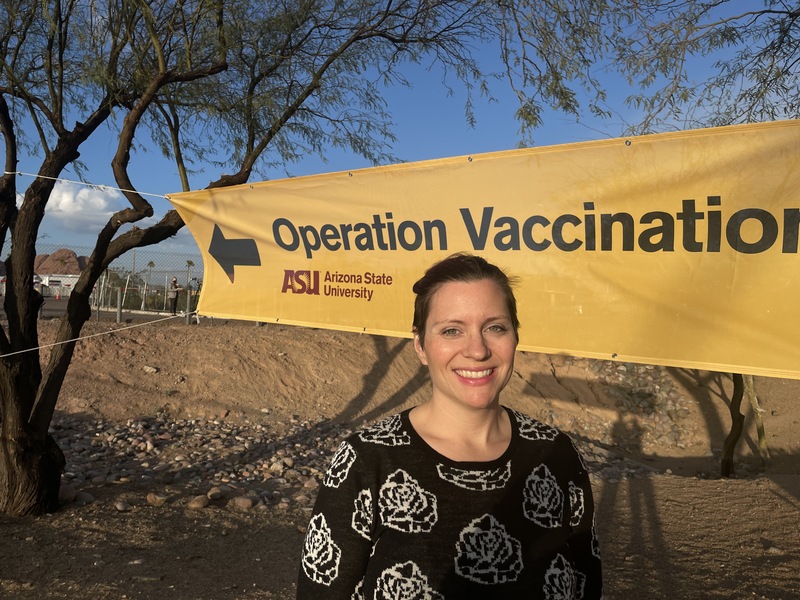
(428, 124)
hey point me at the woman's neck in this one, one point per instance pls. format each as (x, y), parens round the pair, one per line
(463, 434)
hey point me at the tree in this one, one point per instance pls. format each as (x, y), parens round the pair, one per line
(701, 63)
(238, 82)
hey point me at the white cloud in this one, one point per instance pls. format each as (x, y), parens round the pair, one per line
(81, 209)
(76, 213)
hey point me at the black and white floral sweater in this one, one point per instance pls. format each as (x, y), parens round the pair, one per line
(396, 520)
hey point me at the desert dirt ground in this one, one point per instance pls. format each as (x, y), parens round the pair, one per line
(679, 531)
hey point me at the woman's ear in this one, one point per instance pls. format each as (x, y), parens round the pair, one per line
(420, 350)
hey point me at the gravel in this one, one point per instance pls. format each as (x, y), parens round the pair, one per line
(239, 465)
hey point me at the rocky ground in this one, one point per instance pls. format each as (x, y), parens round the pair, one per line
(194, 453)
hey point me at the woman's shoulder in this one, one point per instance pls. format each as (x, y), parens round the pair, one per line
(533, 429)
(390, 431)
(373, 447)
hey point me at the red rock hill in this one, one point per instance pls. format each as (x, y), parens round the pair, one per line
(60, 262)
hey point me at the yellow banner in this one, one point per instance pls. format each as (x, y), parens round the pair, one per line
(674, 249)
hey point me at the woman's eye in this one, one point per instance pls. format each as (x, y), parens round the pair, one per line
(497, 328)
(450, 332)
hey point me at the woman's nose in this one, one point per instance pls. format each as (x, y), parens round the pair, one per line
(476, 347)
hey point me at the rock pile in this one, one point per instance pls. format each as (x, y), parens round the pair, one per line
(247, 464)
(648, 394)
(216, 462)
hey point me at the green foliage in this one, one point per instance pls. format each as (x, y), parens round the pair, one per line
(298, 78)
(711, 63)
(303, 78)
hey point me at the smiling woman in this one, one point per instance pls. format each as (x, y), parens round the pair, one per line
(458, 497)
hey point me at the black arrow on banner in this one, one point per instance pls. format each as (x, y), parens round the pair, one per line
(230, 253)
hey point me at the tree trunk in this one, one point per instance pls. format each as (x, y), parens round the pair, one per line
(30, 460)
(737, 426)
(750, 392)
(30, 473)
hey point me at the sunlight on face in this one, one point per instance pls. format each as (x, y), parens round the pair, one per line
(469, 344)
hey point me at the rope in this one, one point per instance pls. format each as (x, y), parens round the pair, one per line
(91, 185)
(102, 187)
(86, 337)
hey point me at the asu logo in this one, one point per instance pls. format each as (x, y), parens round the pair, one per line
(300, 282)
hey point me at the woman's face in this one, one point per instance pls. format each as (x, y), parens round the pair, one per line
(469, 343)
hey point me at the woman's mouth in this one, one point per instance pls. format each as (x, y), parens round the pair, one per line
(473, 374)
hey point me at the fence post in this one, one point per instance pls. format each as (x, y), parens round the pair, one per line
(119, 305)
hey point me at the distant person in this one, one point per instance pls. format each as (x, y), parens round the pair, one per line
(458, 497)
(172, 294)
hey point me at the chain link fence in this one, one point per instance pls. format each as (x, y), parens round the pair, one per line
(137, 281)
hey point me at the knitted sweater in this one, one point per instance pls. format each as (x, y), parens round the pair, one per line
(396, 520)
